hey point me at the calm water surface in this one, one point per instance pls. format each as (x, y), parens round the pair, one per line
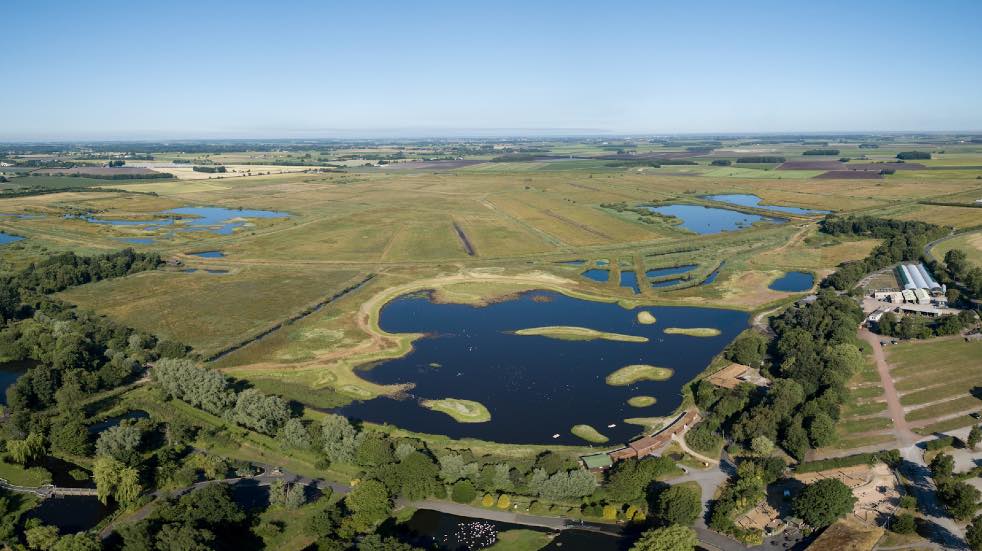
(7, 238)
(9, 373)
(536, 386)
(705, 220)
(630, 279)
(597, 275)
(747, 200)
(793, 282)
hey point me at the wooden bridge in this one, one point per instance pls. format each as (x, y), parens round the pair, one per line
(48, 490)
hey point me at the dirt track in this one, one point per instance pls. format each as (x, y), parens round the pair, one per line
(905, 437)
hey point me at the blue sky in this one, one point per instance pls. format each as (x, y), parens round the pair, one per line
(123, 70)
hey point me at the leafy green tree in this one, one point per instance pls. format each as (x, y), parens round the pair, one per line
(288, 495)
(630, 480)
(747, 349)
(669, 538)
(27, 450)
(973, 534)
(114, 479)
(974, 437)
(762, 446)
(295, 435)
(961, 498)
(562, 485)
(183, 537)
(77, 542)
(463, 491)
(822, 502)
(121, 443)
(369, 503)
(339, 438)
(40, 536)
(70, 436)
(903, 523)
(821, 430)
(679, 505)
(942, 466)
(255, 410)
(454, 466)
(373, 449)
(375, 542)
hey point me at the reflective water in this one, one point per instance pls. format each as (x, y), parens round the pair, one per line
(208, 254)
(706, 220)
(562, 381)
(793, 282)
(7, 238)
(748, 200)
(597, 275)
(630, 279)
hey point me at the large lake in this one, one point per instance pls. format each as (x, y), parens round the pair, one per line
(536, 386)
(704, 220)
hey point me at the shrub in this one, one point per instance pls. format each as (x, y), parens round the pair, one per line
(504, 501)
(903, 523)
(463, 492)
(487, 500)
(940, 443)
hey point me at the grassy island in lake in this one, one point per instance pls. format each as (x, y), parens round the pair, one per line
(570, 333)
(463, 411)
(589, 434)
(693, 331)
(631, 374)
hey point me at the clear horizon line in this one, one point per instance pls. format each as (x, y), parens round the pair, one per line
(471, 133)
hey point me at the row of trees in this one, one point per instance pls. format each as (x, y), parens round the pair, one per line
(904, 240)
(213, 392)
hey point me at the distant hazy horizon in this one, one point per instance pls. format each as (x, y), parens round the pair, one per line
(113, 70)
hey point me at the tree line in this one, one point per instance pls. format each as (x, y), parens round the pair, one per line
(904, 240)
(760, 159)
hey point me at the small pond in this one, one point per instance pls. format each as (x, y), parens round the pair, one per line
(9, 373)
(208, 254)
(561, 381)
(115, 421)
(70, 514)
(712, 277)
(597, 274)
(138, 240)
(630, 279)
(61, 473)
(662, 272)
(220, 220)
(748, 200)
(667, 282)
(793, 282)
(217, 220)
(706, 220)
(7, 238)
(435, 530)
